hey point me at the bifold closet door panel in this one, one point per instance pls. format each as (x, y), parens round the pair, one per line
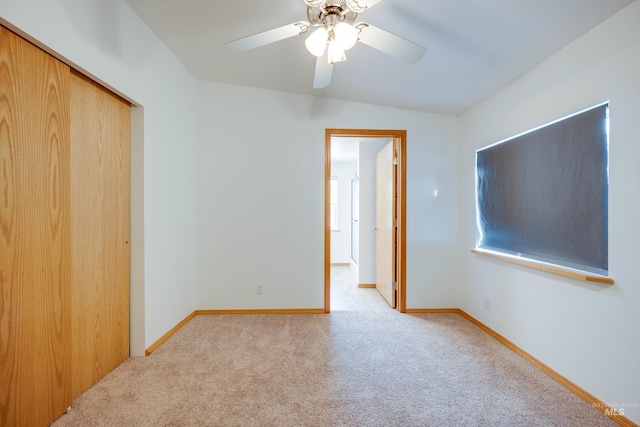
(35, 272)
(100, 132)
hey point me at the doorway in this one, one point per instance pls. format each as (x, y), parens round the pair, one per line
(398, 202)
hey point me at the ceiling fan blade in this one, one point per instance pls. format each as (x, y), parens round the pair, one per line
(389, 43)
(359, 6)
(323, 73)
(269, 36)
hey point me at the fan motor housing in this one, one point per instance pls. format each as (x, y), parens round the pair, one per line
(317, 15)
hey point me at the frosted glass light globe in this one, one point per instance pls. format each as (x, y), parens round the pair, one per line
(316, 43)
(346, 35)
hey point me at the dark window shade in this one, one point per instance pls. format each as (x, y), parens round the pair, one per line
(543, 194)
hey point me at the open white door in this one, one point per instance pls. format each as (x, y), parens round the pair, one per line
(386, 234)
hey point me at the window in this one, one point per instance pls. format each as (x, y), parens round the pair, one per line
(542, 195)
(333, 203)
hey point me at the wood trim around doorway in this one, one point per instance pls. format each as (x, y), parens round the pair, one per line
(401, 135)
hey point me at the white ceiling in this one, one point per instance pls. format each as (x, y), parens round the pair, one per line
(474, 47)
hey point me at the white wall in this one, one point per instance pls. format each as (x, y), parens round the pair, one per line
(251, 142)
(110, 42)
(367, 160)
(587, 332)
(341, 240)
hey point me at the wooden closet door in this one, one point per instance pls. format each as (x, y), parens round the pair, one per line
(35, 274)
(100, 132)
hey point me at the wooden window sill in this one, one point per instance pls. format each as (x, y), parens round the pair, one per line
(576, 274)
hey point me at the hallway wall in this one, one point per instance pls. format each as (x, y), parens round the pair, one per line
(369, 149)
(341, 239)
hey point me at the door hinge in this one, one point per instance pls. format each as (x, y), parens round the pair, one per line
(395, 160)
(395, 222)
(394, 285)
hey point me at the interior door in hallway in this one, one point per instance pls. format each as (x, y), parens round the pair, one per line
(355, 218)
(386, 225)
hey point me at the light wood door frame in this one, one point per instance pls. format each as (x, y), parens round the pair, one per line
(401, 206)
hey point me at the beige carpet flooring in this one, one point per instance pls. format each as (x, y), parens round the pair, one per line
(348, 368)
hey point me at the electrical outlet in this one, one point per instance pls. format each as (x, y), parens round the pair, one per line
(259, 289)
(487, 303)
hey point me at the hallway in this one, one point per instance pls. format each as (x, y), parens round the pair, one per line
(346, 296)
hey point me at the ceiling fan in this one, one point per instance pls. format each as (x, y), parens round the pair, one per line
(332, 32)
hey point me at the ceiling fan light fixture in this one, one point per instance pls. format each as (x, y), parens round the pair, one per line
(331, 29)
(316, 43)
